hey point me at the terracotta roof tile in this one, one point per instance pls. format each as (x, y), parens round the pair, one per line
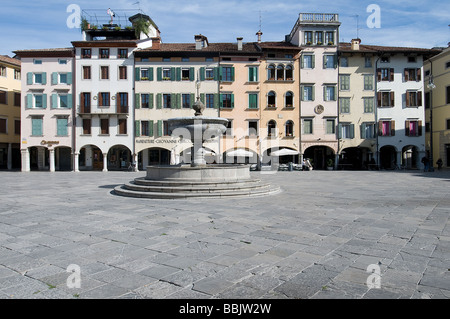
(9, 60)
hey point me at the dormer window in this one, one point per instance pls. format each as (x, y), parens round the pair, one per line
(384, 59)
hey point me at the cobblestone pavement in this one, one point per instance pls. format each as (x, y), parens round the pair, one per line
(328, 234)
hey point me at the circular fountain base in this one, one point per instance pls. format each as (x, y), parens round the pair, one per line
(185, 181)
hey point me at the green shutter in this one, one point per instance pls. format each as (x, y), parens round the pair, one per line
(61, 127)
(216, 74)
(191, 74)
(335, 61)
(192, 99)
(178, 72)
(339, 131)
(44, 78)
(54, 101)
(69, 101)
(313, 93)
(363, 130)
(302, 93)
(202, 74)
(69, 78)
(313, 61)
(150, 74)
(137, 74)
(29, 103)
(232, 74)
(232, 100)
(44, 101)
(150, 100)
(150, 128)
(36, 127)
(137, 101)
(202, 97)
(159, 74)
(220, 73)
(137, 128)
(352, 130)
(216, 100)
(160, 128)
(178, 100)
(173, 75)
(158, 100)
(54, 78)
(221, 100)
(29, 78)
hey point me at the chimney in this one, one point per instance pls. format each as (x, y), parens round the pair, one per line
(239, 43)
(355, 44)
(259, 34)
(200, 41)
(156, 43)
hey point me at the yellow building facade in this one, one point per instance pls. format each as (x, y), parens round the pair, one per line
(10, 88)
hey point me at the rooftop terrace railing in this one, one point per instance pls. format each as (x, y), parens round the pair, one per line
(318, 17)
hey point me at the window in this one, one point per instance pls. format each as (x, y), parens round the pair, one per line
(209, 101)
(185, 74)
(144, 75)
(104, 99)
(344, 61)
(427, 100)
(104, 53)
(37, 61)
(39, 100)
(385, 74)
(253, 74)
(166, 59)
(367, 130)
(104, 72)
(413, 128)
(308, 61)
(63, 78)
(85, 102)
(145, 128)
(253, 101)
(229, 130)
(319, 37)
(185, 59)
(17, 127)
(2, 70)
(86, 53)
(186, 101)
(412, 59)
(104, 126)
(3, 97)
(412, 74)
(17, 99)
(271, 128)
(344, 104)
(307, 92)
(289, 99)
(280, 73)
(271, 99)
(209, 74)
(384, 59)
(122, 102)
(329, 37)
(122, 53)
(289, 128)
(165, 128)
(308, 37)
(271, 72)
(87, 124)
(346, 131)
(330, 126)
(167, 74)
(344, 82)
(39, 78)
(227, 74)
(86, 72)
(329, 93)
(413, 98)
(3, 126)
(61, 126)
(329, 61)
(447, 65)
(368, 82)
(145, 101)
(386, 128)
(227, 100)
(122, 72)
(253, 128)
(368, 62)
(447, 100)
(448, 124)
(167, 101)
(385, 99)
(122, 129)
(62, 61)
(36, 126)
(307, 126)
(368, 104)
(63, 100)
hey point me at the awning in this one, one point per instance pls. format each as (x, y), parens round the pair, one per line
(240, 153)
(284, 151)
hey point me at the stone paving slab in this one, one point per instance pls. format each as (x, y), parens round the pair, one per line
(315, 239)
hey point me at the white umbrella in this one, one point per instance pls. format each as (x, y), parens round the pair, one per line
(240, 153)
(284, 151)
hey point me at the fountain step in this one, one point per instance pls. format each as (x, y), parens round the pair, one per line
(228, 187)
(177, 182)
(267, 190)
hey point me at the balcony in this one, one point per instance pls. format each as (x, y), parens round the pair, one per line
(319, 17)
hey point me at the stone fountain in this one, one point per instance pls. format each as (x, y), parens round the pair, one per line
(198, 179)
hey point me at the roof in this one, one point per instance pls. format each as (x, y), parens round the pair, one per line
(364, 48)
(283, 45)
(105, 43)
(55, 52)
(9, 60)
(190, 48)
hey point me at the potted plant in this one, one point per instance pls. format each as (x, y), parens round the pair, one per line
(84, 25)
(330, 164)
(141, 26)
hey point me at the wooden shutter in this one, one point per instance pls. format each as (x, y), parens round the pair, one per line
(391, 74)
(419, 127)
(378, 75)
(100, 99)
(202, 74)
(380, 128)
(406, 75)
(419, 75)
(419, 98)
(408, 102)
(379, 99)
(392, 128)
(392, 97)
(407, 128)
(82, 103)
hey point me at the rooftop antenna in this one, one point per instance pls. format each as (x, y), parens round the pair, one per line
(357, 25)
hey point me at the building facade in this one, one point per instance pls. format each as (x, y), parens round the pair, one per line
(47, 137)
(10, 96)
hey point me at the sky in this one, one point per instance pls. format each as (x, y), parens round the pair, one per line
(50, 24)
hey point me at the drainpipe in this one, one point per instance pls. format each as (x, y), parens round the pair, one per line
(74, 113)
(376, 112)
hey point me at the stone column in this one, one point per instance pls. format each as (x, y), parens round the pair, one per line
(76, 167)
(25, 160)
(52, 159)
(105, 162)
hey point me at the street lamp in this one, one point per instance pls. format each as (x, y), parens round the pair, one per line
(431, 86)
